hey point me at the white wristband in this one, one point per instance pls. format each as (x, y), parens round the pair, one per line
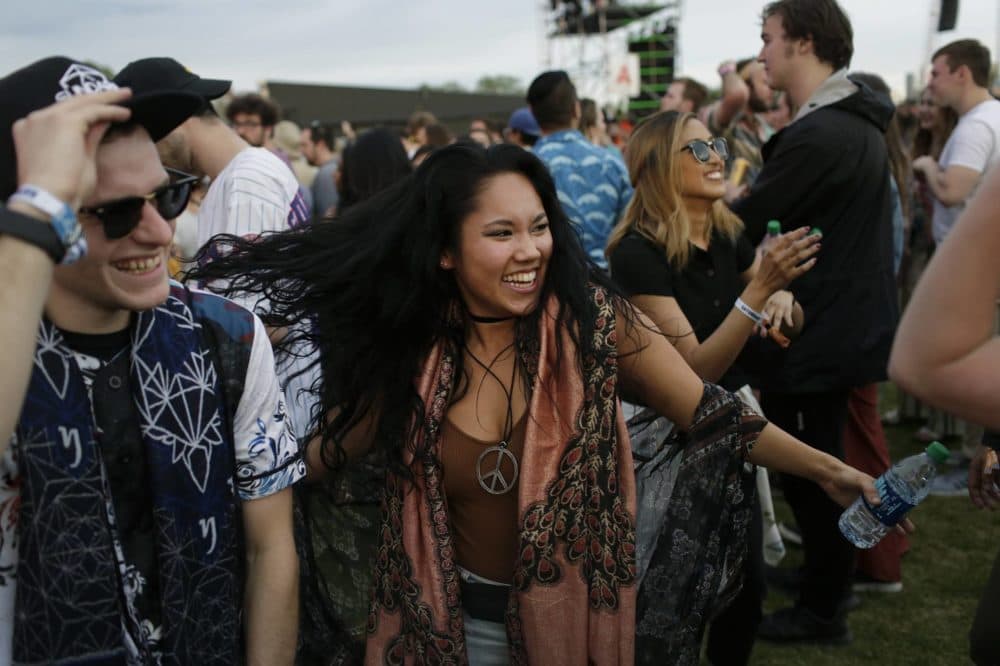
(751, 314)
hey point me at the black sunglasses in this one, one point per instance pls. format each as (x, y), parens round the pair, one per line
(701, 149)
(121, 216)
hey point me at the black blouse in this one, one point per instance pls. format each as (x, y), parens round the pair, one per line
(705, 289)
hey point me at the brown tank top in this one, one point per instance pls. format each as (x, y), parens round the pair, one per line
(483, 526)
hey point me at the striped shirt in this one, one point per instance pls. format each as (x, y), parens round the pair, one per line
(254, 194)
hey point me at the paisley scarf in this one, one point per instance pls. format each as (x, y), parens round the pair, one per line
(574, 588)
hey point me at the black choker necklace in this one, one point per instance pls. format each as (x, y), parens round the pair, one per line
(489, 320)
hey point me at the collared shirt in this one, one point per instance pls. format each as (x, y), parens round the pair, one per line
(592, 185)
(705, 289)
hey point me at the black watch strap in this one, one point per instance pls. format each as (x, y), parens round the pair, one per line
(33, 231)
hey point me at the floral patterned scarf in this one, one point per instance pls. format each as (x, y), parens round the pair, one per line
(574, 588)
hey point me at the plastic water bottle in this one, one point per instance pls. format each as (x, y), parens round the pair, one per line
(902, 487)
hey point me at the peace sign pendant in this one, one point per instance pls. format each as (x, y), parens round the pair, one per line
(493, 481)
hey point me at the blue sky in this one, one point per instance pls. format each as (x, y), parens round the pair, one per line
(398, 43)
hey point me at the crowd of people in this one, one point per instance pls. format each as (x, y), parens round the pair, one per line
(281, 394)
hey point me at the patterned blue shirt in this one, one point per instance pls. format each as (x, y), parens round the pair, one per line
(593, 186)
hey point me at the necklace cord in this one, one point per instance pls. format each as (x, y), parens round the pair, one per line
(508, 426)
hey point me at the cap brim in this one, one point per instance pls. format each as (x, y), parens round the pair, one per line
(209, 88)
(160, 112)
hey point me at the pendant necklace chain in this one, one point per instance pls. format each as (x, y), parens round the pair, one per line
(489, 465)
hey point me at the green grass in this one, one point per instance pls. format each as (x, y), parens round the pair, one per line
(943, 575)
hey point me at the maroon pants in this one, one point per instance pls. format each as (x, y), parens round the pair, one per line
(865, 448)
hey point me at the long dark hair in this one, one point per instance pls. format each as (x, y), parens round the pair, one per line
(930, 141)
(899, 158)
(372, 280)
(370, 164)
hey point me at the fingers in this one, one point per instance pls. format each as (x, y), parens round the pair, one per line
(56, 145)
(804, 267)
(794, 252)
(868, 489)
(89, 108)
(779, 307)
(105, 113)
(989, 491)
(976, 484)
(100, 98)
(905, 527)
(775, 334)
(785, 240)
(983, 474)
(993, 489)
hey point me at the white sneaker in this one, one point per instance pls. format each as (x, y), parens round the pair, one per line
(865, 583)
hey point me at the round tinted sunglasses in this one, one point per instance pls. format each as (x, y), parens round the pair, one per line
(702, 150)
(121, 216)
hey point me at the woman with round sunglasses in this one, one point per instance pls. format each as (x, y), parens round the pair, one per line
(681, 256)
(465, 336)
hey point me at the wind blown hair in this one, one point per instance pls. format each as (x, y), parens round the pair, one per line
(930, 141)
(899, 158)
(373, 282)
(657, 209)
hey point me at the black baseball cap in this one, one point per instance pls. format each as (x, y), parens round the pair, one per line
(161, 74)
(57, 78)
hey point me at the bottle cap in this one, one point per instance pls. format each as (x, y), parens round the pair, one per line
(814, 231)
(937, 452)
(773, 228)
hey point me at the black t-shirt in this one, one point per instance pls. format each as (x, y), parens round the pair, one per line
(705, 289)
(106, 367)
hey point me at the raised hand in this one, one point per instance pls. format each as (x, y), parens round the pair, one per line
(790, 256)
(57, 146)
(984, 474)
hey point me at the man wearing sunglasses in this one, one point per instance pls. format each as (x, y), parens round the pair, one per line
(827, 169)
(145, 499)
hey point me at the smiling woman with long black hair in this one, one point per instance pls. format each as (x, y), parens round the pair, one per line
(465, 336)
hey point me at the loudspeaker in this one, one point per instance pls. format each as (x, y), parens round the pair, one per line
(948, 16)
(656, 68)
